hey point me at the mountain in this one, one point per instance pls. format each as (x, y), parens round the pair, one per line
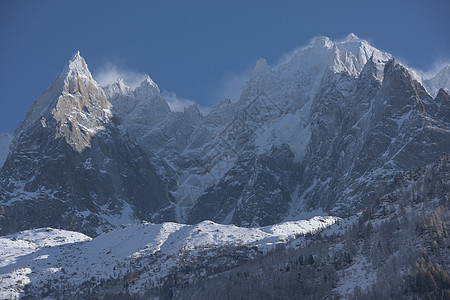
(324, 132)
(148, 254)
(72, 167)
(396, 247)
(143, 106)
(327, 178)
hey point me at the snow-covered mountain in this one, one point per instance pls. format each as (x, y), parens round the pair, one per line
(337, 128)
(71, 166)
(146, 253)
(323, 132)
(326, 130)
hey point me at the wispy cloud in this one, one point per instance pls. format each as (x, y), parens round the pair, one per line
(437, 66)
(110, 73)
(231, 85)
(286, 57)
(177, 103)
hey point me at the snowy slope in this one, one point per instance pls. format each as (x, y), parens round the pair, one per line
(21, 252)
(40, 255)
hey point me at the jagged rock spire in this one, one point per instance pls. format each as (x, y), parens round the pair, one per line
(75, 106)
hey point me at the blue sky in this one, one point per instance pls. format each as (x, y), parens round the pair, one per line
(199, 50)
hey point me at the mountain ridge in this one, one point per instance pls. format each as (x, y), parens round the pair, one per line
(342, 118)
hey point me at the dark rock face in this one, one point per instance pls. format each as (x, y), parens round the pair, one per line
(384, 129)
(442, 100)
(364, 132)
(255, 191)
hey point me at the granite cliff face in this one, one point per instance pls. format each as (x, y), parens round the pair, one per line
(323, 132)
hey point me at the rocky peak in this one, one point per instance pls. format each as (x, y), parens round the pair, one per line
(336, 132)
(123, 87)
(394, 68)
(146, 89)
(74, 107)
(142, 106)
(322, 42)
(78, 64)
(261, 68)
(302, 72)
(192, 110)
(442, 96)
(69, 158)
(352, 54)
(405, 92)
(352, 37)
(374, 68)
(117, 88)
(75, 72)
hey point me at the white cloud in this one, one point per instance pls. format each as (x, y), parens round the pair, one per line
(110, 73)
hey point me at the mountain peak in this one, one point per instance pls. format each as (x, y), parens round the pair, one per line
(75, 69)
(75, 103)
(147, 88)
(148, 81)
(351, 37)
(193, 110)
(116, 88)
(441, 94)
(76, 56)
(322, 41)
(374, 67)
(122, 86)
(261, 67)
(394, 66)
(77, 62)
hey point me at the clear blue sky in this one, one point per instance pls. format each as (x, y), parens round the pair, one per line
(196, 48)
